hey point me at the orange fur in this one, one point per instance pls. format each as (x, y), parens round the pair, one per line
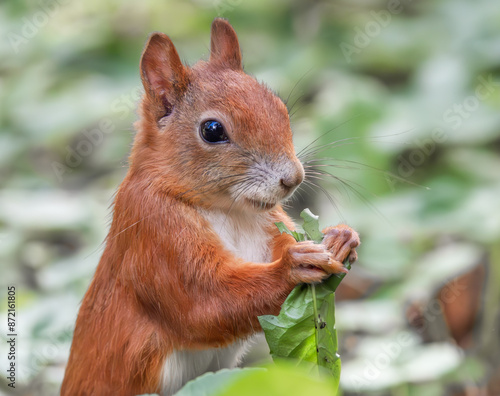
(166, 281)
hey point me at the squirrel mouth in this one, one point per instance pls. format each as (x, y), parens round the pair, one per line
(260, 205)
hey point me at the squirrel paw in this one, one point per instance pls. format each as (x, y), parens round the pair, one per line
(311, 262)
(342, 242)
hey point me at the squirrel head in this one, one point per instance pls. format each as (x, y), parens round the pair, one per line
(211, 134)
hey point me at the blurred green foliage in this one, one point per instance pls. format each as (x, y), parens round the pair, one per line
(409, 90)
(279, 379)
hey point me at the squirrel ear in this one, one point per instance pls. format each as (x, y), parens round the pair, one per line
(224, 46)
(162, 73)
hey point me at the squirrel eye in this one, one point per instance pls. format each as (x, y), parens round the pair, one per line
(213, 131)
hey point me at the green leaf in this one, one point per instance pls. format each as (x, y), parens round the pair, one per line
(210, 384)
(284, 229)
(305, 327)
(294, 334)
(333, 281)
(311, 226)
(281, 379)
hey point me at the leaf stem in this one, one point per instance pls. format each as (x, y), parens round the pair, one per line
(316, 321)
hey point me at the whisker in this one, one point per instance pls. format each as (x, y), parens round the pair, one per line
(350, 185)
(245, 188)
(343, 180)
(293, 89)
(316, 169)
(318, 176)
(297, 109)
(307, 164)
(299, 154)
(311, 151)
(325, 192)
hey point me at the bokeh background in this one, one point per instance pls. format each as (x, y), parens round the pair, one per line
(404, 94)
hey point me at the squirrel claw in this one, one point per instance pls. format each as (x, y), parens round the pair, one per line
(342, 241)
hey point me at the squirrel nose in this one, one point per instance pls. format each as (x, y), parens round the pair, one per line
(291, 181)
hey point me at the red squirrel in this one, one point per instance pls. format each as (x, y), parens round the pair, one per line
(193, 255)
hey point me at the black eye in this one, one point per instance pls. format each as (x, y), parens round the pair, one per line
(213, 132)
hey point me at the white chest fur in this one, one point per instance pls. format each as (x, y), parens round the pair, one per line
(183, 366)
(242, 234)
(245, 236)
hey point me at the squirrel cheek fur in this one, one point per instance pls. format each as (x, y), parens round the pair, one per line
(193, 256)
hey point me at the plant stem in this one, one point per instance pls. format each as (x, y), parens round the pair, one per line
(316, 321)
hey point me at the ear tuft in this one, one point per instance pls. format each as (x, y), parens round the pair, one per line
(224, 45)
(163, 75)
